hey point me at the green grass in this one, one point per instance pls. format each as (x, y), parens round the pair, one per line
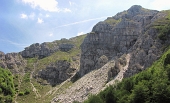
(30, 64)
(59, 55)
(163, 26)
(112, 21)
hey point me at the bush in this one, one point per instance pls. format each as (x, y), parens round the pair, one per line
(21, 93)
(7, 89)
(167, 60)
(164, 31)
(27, 91)
(94, 99)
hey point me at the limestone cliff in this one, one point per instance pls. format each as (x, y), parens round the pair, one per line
(46, 49)
(130, 31)
(12, 61)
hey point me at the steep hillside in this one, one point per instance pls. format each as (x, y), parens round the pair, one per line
(149, 86)
(70, 70)
(119, 47)
(130, 31)
(37, 71)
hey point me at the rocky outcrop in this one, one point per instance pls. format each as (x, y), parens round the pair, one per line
(45, 49)
(131, 32)
(38, 50)
(12, 61)
(65, 47)
(57, 73)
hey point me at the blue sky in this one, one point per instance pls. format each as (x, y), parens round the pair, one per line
(24, 22)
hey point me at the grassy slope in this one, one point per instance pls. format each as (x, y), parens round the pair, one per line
(25, 84)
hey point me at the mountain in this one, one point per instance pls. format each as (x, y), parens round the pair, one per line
(70, 70)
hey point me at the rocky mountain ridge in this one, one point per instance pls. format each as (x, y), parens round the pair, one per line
(134, 34)
(45, 49)
(131, 32)
(117, 47)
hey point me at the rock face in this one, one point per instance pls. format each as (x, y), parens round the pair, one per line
(57, 73)
(45, 49)
(12, 61)
(35, 50)
(65, 47)
(131, 32)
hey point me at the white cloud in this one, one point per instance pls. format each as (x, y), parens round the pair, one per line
(23, 16)
(160, 4)
(14, 43)
(66, 10)
(40, 21)
(80, 33)
(82, 21)
(47, 15)
(71, 3)
(51, 34)
(26, 16)
(50, 5)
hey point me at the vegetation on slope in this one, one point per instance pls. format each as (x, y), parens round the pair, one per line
(59, 55)
(163, 26)
(149, 86)
(112, 21)
(47, 92)
(7, 90)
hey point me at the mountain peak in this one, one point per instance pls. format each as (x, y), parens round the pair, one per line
(135, 9)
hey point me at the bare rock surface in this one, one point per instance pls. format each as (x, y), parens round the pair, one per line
(12, 61)
(57, 73)
(45, 49)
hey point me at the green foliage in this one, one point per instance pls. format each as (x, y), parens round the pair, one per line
(76, 102)
(7, 89)
(25, 92)
(108, 95)
(164, 31)
(149, 86)
(27, 77)
(21, 93)
(112, 21)
(30, 64)
(59, 55)
(167, 60)
(94, 99)
(163, 26)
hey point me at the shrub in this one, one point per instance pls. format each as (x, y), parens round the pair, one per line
(27, 91)
(7, 89)
(94, 99)
(21, 93)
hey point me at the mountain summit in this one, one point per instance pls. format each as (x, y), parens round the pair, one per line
(70, 70)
